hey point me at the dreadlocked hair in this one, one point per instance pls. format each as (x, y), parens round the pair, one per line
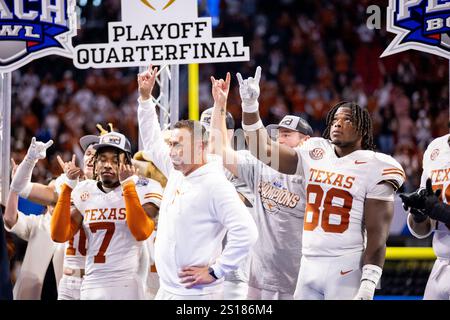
(118, 153)
(360, 119)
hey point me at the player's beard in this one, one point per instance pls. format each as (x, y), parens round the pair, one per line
(344, 144)
(110, 181)
(341, 144)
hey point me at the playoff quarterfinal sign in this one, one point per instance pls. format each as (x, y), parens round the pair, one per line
(420, 25)
(31, 29)
(160, 32)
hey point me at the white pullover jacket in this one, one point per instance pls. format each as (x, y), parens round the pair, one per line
(196, 212)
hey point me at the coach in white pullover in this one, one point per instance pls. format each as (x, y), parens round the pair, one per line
(199, 206)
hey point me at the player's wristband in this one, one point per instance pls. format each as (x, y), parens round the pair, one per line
(250, 108)
(71, 183)
(253, 127)
(127, 180)
(372, 273)
(366, 290)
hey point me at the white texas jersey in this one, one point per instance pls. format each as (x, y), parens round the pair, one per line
(113, 252)
(436, 165)
(75, 248)
(336, 190)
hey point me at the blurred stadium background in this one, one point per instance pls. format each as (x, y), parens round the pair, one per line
(313, 54)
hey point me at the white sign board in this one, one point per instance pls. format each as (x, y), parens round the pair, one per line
(160, 32)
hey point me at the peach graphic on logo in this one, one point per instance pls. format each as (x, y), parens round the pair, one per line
(148, 4)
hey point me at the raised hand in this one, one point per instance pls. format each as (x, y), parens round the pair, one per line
(414, 199)
(126, 171)
(37, 150)
(431, 199)
(430, 192)
(70, 168)
(414, 202)
(146, 82)
(249, 91)
(220, 90)
(21, 181)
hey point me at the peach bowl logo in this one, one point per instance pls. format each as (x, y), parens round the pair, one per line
(316, 153)
(421, 25)
(33, 29)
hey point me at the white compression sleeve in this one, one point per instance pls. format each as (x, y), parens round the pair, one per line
(21, 183)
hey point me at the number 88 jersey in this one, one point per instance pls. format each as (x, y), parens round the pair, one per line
(336, 190)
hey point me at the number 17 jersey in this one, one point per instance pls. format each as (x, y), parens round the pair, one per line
(113, 252)
(336, 190)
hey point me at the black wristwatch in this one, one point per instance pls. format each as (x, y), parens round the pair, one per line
(211, 272)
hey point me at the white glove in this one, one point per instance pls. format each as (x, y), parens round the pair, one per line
(366, 291)
(37, 150)
(370, 277)
(249, 91)
(21, 183)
